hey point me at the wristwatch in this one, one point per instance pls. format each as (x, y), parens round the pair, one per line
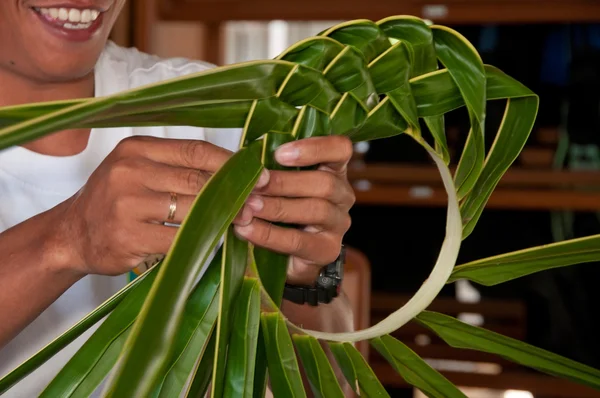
(326, 288)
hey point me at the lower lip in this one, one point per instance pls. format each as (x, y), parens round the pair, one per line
(77, 35)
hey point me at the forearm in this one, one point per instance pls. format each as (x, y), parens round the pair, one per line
(334, 317)
(33, 272)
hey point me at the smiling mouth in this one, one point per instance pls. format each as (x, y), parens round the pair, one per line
(69, 18)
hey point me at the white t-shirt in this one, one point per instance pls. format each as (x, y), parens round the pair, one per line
(31, 183)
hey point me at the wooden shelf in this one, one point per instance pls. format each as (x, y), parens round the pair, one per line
(519, 189)
(443, 12)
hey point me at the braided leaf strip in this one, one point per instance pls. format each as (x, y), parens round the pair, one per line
(360, 79)
(373, 80)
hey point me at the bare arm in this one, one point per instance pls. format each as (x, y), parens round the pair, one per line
(33, 272)
(107, 228)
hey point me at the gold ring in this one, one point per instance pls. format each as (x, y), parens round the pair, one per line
(172, 207)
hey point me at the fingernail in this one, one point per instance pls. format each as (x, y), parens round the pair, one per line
(286, 153)
(263, 179)
(243, 230)
(255, 203)
(244, 217)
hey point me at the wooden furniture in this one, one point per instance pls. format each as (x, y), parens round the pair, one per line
(214, 13)
(120, 33)
(519, 189)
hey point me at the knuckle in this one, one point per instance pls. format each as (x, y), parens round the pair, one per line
(346, 222)
(265, 234)
(129, 145)
(123, 205)
(276, 181)
(296, 242)
(328, 185)
(331, 256)
(345, 146)
(278, 209)
(120, 170)
(333, 253)
(195, 179)
(121, 239)
(351, 197)
(191, 151)
(322, 210)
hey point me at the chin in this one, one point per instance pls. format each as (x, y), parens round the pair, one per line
(68, 67)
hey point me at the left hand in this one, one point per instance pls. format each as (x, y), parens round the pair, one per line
(319, 200)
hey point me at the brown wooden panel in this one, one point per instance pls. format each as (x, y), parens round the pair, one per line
(146, 15)
(409, 331)
(514, 177)
(501, 198)
(510, 309)
(520, 189)
(444, 12)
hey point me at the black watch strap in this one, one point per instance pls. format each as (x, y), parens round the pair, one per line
(326, 288)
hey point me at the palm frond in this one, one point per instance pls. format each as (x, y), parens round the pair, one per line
(362, 79)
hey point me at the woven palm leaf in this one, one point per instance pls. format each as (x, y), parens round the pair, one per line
(167, 335)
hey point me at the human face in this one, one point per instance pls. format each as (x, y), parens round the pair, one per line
(53, 41)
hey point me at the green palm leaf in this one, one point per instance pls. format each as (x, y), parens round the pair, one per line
(39, 358)
(89, 356)
(202, 375)
(232, 276)
(284, 372)
(466, 68)
(318, 369)
(362, 79)
(150, 345)
(461, 335)
(415, 370)
(239, 376)
(505, 267)
(419, 37)
(357, 371)
(197, 325)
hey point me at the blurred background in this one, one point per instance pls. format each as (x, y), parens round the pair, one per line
(550, 193)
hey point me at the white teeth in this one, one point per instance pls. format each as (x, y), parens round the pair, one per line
(69, 25)
(63, 14)
(73, 15)
(86, 16)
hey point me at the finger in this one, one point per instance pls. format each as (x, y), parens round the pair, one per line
(165, 178)
(156, 206)
(319, 248)
(155, 238)
(302, 272)
(193, 154)
(333, 152)
(307, 184)
(310, 211)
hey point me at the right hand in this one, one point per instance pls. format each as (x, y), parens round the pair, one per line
(116, 220)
